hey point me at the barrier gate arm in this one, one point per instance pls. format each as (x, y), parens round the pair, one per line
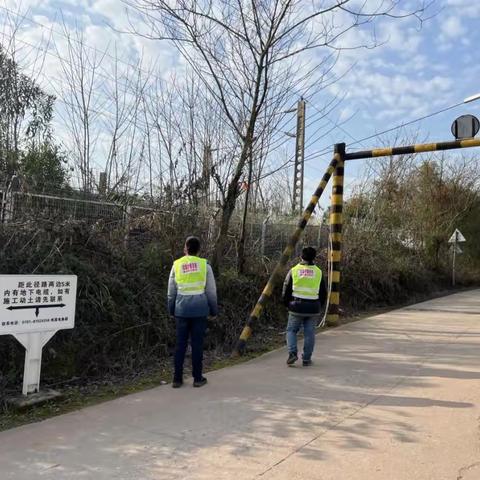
(287, 252)
(417, 148)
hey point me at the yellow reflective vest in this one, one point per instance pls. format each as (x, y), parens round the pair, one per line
(190, 275)
(306, 281)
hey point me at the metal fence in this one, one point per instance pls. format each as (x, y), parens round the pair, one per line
(265, 237)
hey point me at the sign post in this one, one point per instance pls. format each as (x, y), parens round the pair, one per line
(455, 239)
(32, 309)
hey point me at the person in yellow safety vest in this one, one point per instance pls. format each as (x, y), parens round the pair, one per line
(304, 293)
(192, 297)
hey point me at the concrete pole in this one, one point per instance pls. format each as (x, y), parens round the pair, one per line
(298, 174)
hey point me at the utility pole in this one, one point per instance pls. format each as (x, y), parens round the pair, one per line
(297, 204)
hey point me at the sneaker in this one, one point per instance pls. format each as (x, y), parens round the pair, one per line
(177, 383)
(292, 358)
(307, 363)
(200, 383)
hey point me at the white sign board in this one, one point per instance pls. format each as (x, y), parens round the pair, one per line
(37, 303)
(457, 237)
(32, 309)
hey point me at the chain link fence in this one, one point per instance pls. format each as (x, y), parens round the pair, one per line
(26, 206)
(263, 238)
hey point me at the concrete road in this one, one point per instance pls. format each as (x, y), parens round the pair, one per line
(396, 397)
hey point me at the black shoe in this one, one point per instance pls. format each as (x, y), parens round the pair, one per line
(307, 363)
(200, 383)
(177, 383)
(292, 358)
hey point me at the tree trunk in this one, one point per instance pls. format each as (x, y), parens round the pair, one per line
(227, 211)
(241, 244)
(230, 201)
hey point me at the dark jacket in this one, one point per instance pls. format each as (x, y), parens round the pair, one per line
(302, 306)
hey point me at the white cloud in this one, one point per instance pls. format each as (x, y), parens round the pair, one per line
(114, 11)
(464, 8)
(400, 37)
(24, 5)
(399, 96)
(452, 28)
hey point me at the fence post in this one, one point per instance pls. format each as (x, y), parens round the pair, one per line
(264, 235)
(127, 215)
(8, 205)
(2, 208)
(336, 221)
(319, 234)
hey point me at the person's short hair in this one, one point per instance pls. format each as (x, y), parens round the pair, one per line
(192, 244)
(309, 254)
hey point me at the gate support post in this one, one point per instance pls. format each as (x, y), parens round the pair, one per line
(336, 224)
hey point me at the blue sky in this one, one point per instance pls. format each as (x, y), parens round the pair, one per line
(416, 71)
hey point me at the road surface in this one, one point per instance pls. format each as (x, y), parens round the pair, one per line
(395, 396)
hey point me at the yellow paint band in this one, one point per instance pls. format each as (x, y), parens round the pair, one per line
(471, 142)
(335, 277)
(335, 218)
(381, 152)
(257, 310)
(338, 180)
(334, 298)
(425, 147)
(246, 334)
(336, 256)
(268, 290)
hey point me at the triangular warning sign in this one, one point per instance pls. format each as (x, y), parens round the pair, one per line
(456, 237)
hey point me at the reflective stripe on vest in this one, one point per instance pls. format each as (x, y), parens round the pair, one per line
(306, 281)
(190, 275)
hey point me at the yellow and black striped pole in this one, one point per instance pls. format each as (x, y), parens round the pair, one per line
(276, 275)
(336, 223)
(418, 148)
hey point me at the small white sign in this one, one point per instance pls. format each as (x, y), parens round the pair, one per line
(457, 237)
(37, 303)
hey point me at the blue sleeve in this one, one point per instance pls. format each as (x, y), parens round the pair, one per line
(172, 292)
(211, 292)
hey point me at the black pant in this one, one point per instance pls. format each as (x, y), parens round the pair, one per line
(195, 328)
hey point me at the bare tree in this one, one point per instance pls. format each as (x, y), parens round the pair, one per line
(249, 55)
(78, 90)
